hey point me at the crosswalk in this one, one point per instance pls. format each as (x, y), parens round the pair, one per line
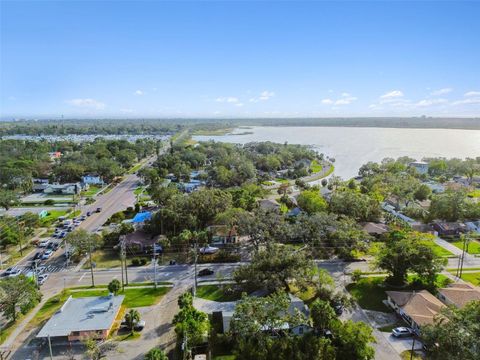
(47, 269)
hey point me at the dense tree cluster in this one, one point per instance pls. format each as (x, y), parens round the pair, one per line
(258, 331)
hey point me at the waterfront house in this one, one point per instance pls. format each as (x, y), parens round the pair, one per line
(63, 189)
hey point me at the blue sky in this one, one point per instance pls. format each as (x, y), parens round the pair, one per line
(239, 59)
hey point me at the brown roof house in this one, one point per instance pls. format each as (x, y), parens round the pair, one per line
(375, 229)
(416, 308)
(459, 294)
(223, 234)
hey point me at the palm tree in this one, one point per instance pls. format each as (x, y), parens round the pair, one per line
(132, 318)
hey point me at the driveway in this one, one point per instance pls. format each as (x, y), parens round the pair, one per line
(401, 344)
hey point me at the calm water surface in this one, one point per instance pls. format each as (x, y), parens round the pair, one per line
(353, 147)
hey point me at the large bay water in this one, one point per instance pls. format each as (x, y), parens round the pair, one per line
(353, 147)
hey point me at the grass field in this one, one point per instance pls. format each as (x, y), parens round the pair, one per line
(473, 247)
(104, 259)
(438, 250)
(92, 190)
(369, 292)
(315, 166)
(474, 194)
(215, 293)
(473, 278)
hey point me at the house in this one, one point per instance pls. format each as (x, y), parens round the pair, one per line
(435, 187)
(222, 234)
(39, 185)
(82, 318)
(473, 226)
(141, 217)
(63, 189)
(390, 209)
(140, 241)
(459, 294)
(420, 166)
(270, 205)
(375, 229)
(92, 179)
(416, 308)
(449, 228)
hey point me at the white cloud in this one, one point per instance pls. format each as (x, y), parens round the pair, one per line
(392, 94)
(230, 99)
(441, 91)
(127, 111)
(345, 99)
(239, 104)
(86, 103)
(139, 92)
(265, 95)
(431, 102)
(467, 101)
(472, 93)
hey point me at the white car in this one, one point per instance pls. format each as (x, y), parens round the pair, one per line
(47, 254)
(43, 243)
(41, 269)
(402, 332)
(42, 279)
(208, 250)
(15, 272)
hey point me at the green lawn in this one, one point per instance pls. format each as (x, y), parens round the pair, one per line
(438, 250)
(52, 216)
(369, 292)
(474, 194)
(92, 190)
(104, 259)
(282, 180)
(139, 190)
(134, 297)
(135, 168)
(7, 330)
(315, 166)
(224, 357)
(215, 293)
(473, 247)
(473, 278)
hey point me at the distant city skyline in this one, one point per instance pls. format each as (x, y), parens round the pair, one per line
(99, 59)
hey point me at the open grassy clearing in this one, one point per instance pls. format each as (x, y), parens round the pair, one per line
(438, 250)
(92, 190)
(472, 248)
(315, 166)
(215, 293)
(473, 278)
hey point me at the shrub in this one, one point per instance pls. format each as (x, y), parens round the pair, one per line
(49, 202)
(136, 262)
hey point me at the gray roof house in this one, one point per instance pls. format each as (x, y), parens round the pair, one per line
(81, 318)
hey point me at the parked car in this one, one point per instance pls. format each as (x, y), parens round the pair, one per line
(402, 332)
(47, 254)
(205, 272)
(42, 279)
(337, 307)
(89, 213)
(99, 209)
(173, 262)
(138, 325)
(208, 250)
(44, 243)
(15, 272)
(37, 256)
(41, 269)
(9, 270)
(83, 218)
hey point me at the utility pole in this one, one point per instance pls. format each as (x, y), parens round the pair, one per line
(123, 257)
(195, 268)
(463, 255)
(21, 234)
(413, 348)
(50, 347)
(91, 264)
(154, 267)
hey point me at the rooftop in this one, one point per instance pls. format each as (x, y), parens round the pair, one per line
(421, 306)
(82, 314)
(460, 294)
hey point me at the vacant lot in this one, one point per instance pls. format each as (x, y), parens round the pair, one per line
(215, 293)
